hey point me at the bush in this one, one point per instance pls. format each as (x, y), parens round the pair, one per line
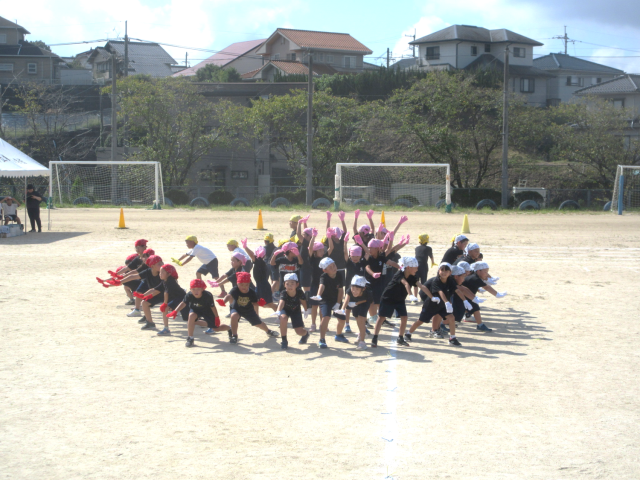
(414, 201)
(220, 197)
(469, 197)
(297, 197)
(178, 197)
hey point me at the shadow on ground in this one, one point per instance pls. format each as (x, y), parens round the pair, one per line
(40, 238)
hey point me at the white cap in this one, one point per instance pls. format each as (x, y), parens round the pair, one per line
(459, 238)
(408, 262)
(457, 270)
(359, 281)
(479, 266)
(465, 265)
(471, 246)
(444, 264)
(291, 276)
(325, 262)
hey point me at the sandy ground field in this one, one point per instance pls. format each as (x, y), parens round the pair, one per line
(553, 392)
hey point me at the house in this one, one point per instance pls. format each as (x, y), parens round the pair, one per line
(405, 64)
(240, 55)
(471, 48)
(571, 75)
(288, 50)
(145, 58)
(24, 61)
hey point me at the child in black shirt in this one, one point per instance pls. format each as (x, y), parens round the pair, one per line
(291, 299)
(201, 306)
(330, 297)
(357, 300)
(457, 249)
(355, 262)
(153, 293)
(261, 274)
(316, 254)
(173, 296)
(423, 254)
(474, 282)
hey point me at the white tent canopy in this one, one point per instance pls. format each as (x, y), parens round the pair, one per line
(14, 163)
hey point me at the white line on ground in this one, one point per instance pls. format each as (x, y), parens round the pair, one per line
(390, 431)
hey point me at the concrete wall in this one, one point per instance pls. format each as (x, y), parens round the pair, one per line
(536, 99)
(246, 63)
(45, 68)
(559, 89)
(13, 35)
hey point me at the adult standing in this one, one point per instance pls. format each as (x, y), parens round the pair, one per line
(33, 208)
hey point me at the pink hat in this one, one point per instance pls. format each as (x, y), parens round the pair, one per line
(355, 251)
(308, 231)
(337, 232)
(373, 243)
(288, 246)
(382, 228)
(318, 246)
(364, 229)
(260, 252)
(240, 257)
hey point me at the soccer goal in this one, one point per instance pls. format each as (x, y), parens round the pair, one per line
(403, 184)
(105, 183)
(626, 189)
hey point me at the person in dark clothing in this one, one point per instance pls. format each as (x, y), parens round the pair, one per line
(33, 208)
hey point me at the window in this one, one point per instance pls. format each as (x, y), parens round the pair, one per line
(433, 53)
(282, 40)
(618, 102)
(519, 52)
(6, 67)
(487, 48)
(291, 56)
(276, 56)
(596, 80)
(32, 68)
(474, 51)
(329, 58)
(317, 57)
(527, 85)
(3, 38)
(575, 81)
(349, 62)
(239, 174)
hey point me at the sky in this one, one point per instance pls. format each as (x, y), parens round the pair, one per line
(604, 32)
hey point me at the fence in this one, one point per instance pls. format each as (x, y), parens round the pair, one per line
(19, 125)
(251, 193)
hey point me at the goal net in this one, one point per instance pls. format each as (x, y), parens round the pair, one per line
(626, 189)
(403, 184)
(106, 183)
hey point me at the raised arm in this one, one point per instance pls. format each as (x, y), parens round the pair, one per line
(355, 222)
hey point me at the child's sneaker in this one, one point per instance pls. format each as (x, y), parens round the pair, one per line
(304, 338)
(454, 341)
(134, 313)
(149, 326)
(340, 338)
(209, 331)
(361, 346)
(322, 343)
(388, 323)
(483, 328)
(433, 334)
(164, 332)
(189, 343)
(142, 320)
(407, 337)
(233, 339)
(401, 343)
(374, 341)
(443, 329)
(272, 333)
(285, 344)
(131, 301)
(347, 328)
(312, 328)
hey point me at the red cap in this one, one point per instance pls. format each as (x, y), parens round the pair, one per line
(141, 243)
(131, 258)
(152, 260)
(243, 277)
(170, 269)
(197, 283)
(149, 251)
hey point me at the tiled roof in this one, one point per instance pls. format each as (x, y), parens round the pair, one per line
(223, 57)
(487, 61)
(295, 68)
(623, 84)
(144, 58)
(324, 40)
(560, 61)
(8, 23)
(405, 63)
(251, 73)
(475, 34)
(25, 48)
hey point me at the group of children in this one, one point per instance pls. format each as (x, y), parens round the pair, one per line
(367, 280)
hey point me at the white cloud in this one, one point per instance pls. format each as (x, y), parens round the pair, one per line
(615, 58)
(422, 27)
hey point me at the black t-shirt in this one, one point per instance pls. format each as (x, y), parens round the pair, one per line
(337, 254)
(260, 272)
(355, 269)
(473, 283)
(331, 288)
(135, 263)
(435, 286)
(172, 287)
(292, 303)
(201, 306)
(304, 252)
(286, 266)
(32, 202)
(396, 291)
(452, 254)
(394, 256)
(153, 281)
(366, 295)
(376, 265)
(231, 276)
(243, 302)
(316, 271)
(269, 248)
(466, 258)
(423, 252)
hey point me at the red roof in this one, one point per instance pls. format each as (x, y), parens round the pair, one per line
(223, 57)
(324, 40)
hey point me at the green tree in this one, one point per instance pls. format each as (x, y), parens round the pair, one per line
(214, 73)
(41, 44)
(170, 122)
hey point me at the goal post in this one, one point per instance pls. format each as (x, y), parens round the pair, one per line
(626, 189)
(118, 183)
(402, 184)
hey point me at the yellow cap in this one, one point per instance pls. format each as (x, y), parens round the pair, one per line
(423, 239)
(295, 218)
(192, 238)
(282, 242)
(269, 237)
(323, 240)
(233, 242)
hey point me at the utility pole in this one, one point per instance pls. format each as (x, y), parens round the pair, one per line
(414, 39)
(114, 128)
(310, 134)
(186, 56)
(387, 57)
(565, 39)
(125, 136)
(505, 132)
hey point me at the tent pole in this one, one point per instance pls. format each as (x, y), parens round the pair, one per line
(25, 205)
